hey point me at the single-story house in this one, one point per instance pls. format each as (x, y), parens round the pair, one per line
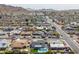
(20, 43)
(26, 33)
(3, 35)
(28, 28)
(4, 43)
(8, 29)
(57, 45)
(15, 31)
(37, 34)
(39, 27)
(39, 44)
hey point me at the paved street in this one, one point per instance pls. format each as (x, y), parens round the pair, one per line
(66, 37)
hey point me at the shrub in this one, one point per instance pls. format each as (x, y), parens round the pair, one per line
(8, 52)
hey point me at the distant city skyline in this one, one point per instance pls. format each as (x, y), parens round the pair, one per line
(48, 6)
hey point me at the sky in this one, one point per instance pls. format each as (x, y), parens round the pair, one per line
(49, 6)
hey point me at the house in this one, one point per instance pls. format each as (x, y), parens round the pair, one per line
(37, 39)
(28, 28)
(52, 37)
(39, 27)
(74, 24)
(3, 35)
(14, 36)
(51, 34)
(37, 44)
(15, 31)
(57, 45)
(4, 43)
(43, 24)
(51, 28)
(20, 44)
(69, 29)
(37, 34)
(26, 34)
(8, 29)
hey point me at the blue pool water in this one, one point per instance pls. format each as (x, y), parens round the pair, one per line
(42, 50)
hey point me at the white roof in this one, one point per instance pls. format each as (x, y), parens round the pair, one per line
(15, 31)
(39, 27)
(74, 23)
(18, 39)
(37, 45)
(57, 45)
(37, 39)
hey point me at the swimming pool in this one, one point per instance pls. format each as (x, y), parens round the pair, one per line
(42, 50)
